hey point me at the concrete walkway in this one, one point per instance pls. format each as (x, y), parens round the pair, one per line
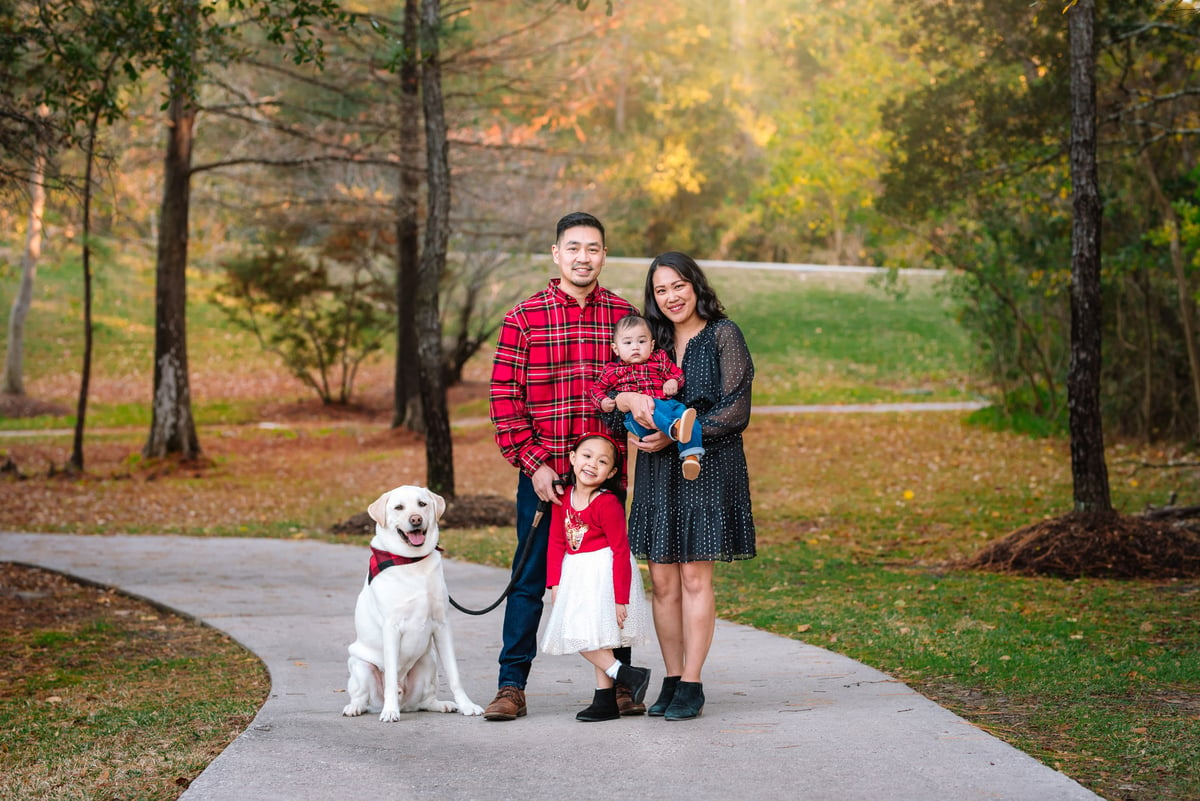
(783, 720)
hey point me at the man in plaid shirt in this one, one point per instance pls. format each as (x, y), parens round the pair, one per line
(551, 347)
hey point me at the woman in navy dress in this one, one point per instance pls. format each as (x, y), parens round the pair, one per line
(684, 527)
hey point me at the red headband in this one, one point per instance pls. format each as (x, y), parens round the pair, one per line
(599, 435)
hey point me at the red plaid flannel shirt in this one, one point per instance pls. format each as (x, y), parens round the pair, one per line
(647, 378)
(549, 352)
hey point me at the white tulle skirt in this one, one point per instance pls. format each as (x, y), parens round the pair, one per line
(584, 618)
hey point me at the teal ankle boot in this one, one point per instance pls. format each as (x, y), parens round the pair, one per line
(659, 707)
(688, 701)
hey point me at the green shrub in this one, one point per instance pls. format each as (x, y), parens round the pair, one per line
(321, 319)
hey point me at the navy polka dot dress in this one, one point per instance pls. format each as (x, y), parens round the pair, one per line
(674, 520)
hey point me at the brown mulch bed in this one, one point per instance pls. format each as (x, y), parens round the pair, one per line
(1098, 545)
(32, 598)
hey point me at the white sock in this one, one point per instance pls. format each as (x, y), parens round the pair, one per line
(613, 669)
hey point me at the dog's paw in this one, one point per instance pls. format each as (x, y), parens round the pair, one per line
(389, 715)
(466, 706)
(440, 706)
(353, 710)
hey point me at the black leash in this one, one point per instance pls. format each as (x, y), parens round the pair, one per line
(517, 566)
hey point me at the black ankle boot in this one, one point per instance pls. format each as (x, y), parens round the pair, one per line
(688, 701)
(659, 707)
(636, 679)
(604, 707)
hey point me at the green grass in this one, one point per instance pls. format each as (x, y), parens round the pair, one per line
(135, 415)
(123, 339)
(845, 344)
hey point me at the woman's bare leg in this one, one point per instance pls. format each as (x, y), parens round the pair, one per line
(666, 602)
(699, 616)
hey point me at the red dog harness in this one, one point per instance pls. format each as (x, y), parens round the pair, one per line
(382, 560)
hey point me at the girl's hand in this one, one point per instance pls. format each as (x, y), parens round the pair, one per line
(622, 613)
(553, 593)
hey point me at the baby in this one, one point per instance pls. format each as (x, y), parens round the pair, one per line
(648, 370)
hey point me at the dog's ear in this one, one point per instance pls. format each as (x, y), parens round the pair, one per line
(439, 503)
(378, 509)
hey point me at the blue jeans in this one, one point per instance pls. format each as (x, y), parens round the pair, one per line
(523, 608)
(666, 412)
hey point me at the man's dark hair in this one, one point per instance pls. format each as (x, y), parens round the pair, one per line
(577, 218)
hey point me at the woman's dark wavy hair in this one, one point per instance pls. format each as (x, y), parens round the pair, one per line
(708, 305)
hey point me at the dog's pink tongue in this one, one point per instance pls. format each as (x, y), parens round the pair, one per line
(416, 537)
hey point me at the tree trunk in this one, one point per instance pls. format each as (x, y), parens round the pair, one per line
(172, 429)
(439, 451)
(406, 403)
(1089, 472)
(75, 461)
(14, 356)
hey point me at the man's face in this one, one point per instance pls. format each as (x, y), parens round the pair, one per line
(579, 254)
(633, 345)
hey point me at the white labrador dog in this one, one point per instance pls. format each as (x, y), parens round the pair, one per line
(400, 618)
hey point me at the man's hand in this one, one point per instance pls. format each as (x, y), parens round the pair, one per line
(543, 484)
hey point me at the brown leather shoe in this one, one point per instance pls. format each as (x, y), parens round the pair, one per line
(509, 704)
(625, 703)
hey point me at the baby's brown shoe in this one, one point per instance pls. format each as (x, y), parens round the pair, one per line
(691, 467)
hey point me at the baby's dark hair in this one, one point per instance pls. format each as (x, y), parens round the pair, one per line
(627, 322)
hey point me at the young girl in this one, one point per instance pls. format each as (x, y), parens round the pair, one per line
(594, 583)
